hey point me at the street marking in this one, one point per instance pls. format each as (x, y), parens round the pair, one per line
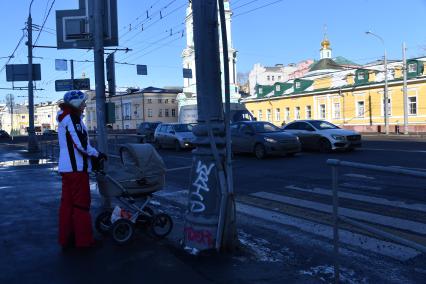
(389, 249)
(359, 176)
(178, 169)
(364, 198)
(394, 150)
(394, 222)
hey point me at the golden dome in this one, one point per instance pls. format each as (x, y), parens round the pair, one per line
(325, 43)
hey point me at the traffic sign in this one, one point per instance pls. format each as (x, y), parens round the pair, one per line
(187, 73)
(68, 85)
(61, 65)
(141, 70)
(19, 72)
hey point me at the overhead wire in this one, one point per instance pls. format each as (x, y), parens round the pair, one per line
(257, 8)
(44, 22)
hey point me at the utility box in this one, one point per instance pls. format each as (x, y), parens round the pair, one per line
(109, 113)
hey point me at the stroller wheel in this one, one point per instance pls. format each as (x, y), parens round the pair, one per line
(122, 231)
(103, 222)
(144, 221)
(162, 225)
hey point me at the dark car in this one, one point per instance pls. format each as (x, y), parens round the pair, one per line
(50, 132)
(4, 135)
(262, 139)
(323, 136)
(147, 129)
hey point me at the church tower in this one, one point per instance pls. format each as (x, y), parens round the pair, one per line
(325, 51)
(187, 100)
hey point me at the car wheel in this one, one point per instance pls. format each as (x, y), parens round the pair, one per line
(260, 151)
(324, 146)
(178, 148)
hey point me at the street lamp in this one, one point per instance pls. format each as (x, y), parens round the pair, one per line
(386, 100)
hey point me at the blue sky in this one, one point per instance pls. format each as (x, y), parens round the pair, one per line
(286, 32)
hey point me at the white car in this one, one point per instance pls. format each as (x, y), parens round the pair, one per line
(174, 135)
(323, 136)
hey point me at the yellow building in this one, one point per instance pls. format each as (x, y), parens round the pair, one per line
(346, 95)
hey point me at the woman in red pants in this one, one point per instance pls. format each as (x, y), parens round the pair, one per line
(75, 225)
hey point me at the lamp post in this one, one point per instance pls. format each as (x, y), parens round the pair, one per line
(386, 99)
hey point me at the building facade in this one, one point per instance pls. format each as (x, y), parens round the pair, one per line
(136, 106)
(14, 122)
(45, 115)
(187, 100)
(351, 97)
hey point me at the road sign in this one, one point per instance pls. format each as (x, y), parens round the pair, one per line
(61, 65)
(67, 85)
(19, 72)
(141, 69)
(74, 28)
(187, 73)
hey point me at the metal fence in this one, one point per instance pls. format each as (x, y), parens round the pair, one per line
(336, 164)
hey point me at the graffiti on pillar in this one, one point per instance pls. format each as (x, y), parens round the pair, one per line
(201, 237)
(196, 199)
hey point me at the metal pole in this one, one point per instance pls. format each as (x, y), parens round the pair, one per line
(404, 88)
(32, 140)
(100, 75)
(72, 73)
(386, 95)
(335, 173)
(230, 231)
(208, 176)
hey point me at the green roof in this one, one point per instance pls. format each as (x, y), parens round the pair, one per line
(325, 64)
(344, 61)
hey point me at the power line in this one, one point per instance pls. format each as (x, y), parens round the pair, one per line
(44, 22)
(13, 53)
(257, 8)
(245, 4)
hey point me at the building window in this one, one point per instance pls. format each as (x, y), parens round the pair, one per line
(150, 101)
(173, 101)
(279, 78)
(166, 112)
(166, 101)
(268, 115)
(336, 110)
(259, 115)
(23, 117)
(360, 109)
(297, 113)
(412, 68)
(48, 115)
(308, 112)
(160, 113)
(149, 112)
(412, 105)
(287, 114)
(260, 91)
(322, 111)
(361, 76)
(160, 101)
(297, 85)
(268, 78)
(127, 108)
(173, 113)
(277, 114)
(273, 78)
(278, 88)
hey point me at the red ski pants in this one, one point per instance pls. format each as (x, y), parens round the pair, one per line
(74, 214)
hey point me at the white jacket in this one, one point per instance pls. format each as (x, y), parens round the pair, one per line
(74, 145)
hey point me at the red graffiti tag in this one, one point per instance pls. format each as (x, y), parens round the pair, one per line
(203, 237)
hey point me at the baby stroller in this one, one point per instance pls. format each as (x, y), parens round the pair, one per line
(142, 173)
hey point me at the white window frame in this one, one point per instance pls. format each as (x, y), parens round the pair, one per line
(320, 111)
(268, 115)
(259, 115)
(409, 106)
(308, 109)
(410, 66)
(297, 113)
(297, 85)
(336, 111)
(260, 91)
(287, 114)
(357, 108)
(277, 114)
(278, 88)
(173, 112)
(149, 112)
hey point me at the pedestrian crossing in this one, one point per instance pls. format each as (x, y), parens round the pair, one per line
(309, 211)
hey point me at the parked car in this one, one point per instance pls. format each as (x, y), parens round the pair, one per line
(147, 129)
(175, 135)
(323, 136)
(4, 135)
(50, 132)
(262, 138)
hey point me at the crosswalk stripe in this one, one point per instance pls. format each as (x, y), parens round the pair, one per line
(363, 198)
(393, 222)
(365, 242)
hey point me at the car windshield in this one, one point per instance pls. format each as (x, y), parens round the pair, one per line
(183, 127)
(323, 125)
(263, 127)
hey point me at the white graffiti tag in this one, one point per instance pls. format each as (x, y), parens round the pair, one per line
(201, 184)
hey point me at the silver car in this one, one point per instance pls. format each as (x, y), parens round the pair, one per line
(323, 136)
(174, 135)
